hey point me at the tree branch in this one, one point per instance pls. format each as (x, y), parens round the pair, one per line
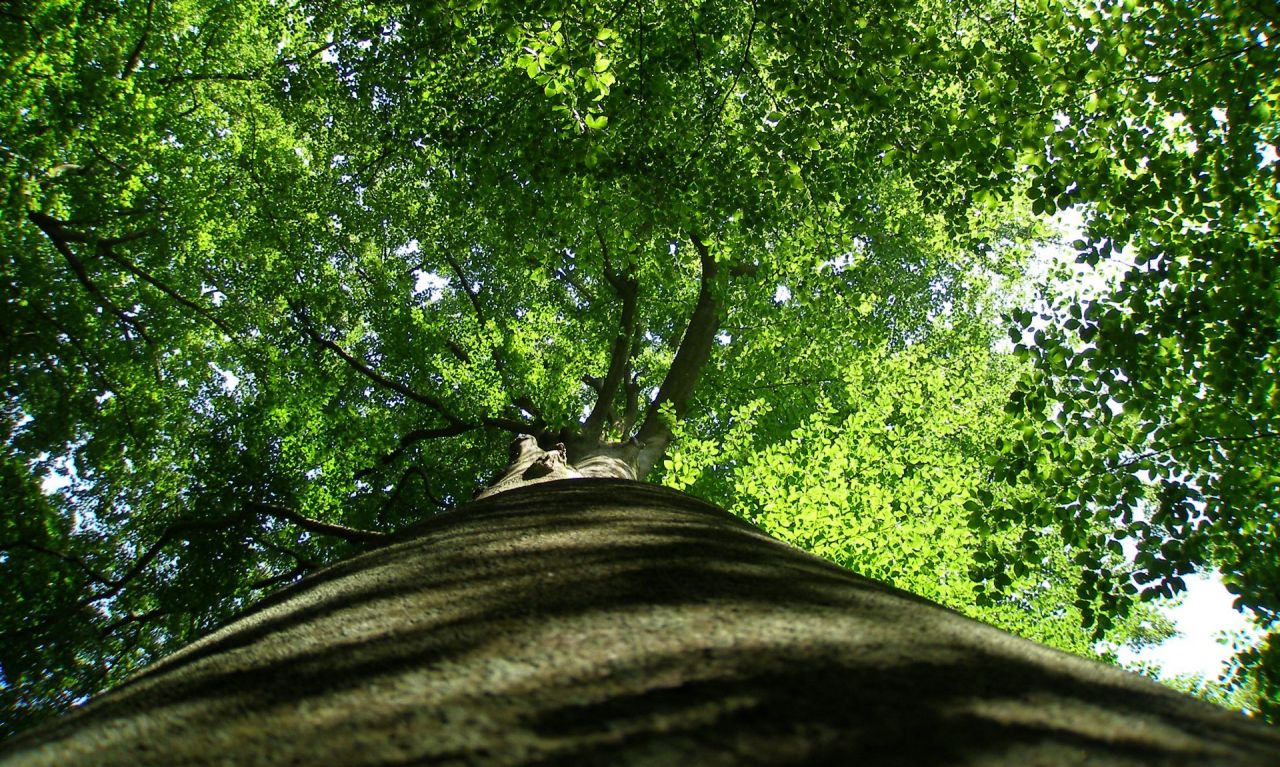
(627, 289)
(305, 562)
(1125, 464)
(135, 56)
(691, 357)
(350, 534)
(631, 410)
(467, 287)
(59, 237)
(368, 372)
(511, 425)
(70, 559)
(112, 628)
(209, 76)
(522, 402)
(105, 247)
(414, 437)
(403, 481)
(571, 278)
(457, 350)
(276, 580)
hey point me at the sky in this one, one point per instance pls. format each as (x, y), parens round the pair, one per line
(1202, 616)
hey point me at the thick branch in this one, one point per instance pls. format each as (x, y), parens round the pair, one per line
(1191, 443)
(209, 76)
(571, 278)
(59, 231)
(414, 437)
(112, 628)
(403, 482)
(682, 377)
(304, 562)
(499, 364)
(70, 559)
(467, 287)
(275, 580)
(135, 56)
(631, 410)
(457, 350)
(618, 359)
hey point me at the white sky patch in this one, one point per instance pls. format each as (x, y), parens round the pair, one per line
(1086, 281)
(856, 252)
(430, 283)
(229, 380)
(782, 294)
(58, 477)
(1204, 618)
(1268, 154)
(216, 297)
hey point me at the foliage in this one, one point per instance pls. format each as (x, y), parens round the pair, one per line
(892, 449)
(281, 276)
(1149, 417)
(1223, 692)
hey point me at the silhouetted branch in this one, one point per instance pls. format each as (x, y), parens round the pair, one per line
(209, 76)
(350, 534)
(135, 56)
(414, 437)
(472, 294)
(105, 247)
(79, 564)
(112, 628)
(275, 580)
(370, 373)
(59, 237)
(627, 289)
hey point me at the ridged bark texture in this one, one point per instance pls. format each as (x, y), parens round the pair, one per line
(604, 622)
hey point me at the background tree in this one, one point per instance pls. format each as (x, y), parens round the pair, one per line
(281, 277)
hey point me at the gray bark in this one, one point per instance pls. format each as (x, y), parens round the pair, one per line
(610, 622)
(575, 458)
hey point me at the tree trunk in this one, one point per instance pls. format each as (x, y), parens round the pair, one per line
(599, 621)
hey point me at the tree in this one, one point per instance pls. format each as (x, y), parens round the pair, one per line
(284, 277)
(600, 621)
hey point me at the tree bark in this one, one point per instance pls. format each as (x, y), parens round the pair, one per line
(598, 621)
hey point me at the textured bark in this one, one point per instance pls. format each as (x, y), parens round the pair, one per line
(609, 622)
(576, 457)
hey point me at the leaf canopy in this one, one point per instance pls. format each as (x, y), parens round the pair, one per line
(279, 276)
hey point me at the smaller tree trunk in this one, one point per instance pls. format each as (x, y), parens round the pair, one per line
(605, 622)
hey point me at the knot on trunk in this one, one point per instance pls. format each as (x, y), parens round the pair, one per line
(530, 463)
